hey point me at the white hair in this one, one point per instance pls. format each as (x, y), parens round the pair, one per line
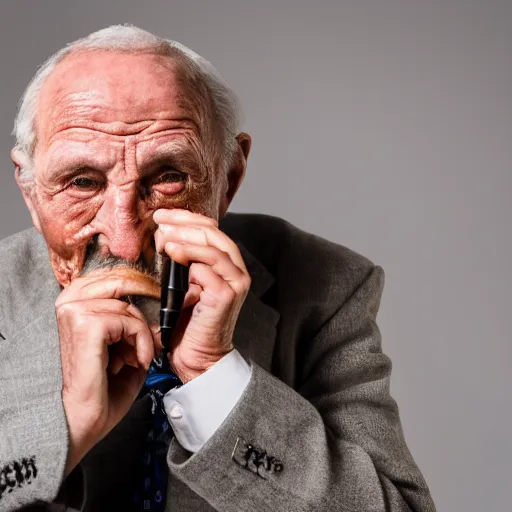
(224, 107)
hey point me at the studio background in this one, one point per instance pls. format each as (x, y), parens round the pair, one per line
(385, 126)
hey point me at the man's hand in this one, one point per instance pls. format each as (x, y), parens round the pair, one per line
(219, 283)
(106, 350)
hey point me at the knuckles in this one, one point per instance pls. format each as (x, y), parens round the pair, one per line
(246, 282)
(69, 310)
(227, 295)
(73, 318)
(242, 285)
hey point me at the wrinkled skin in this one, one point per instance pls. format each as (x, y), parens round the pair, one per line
(112, 148)
(122, 156)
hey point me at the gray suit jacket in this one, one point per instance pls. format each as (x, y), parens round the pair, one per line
(316, 429)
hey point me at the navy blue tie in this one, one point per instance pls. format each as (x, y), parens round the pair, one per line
(151, 492)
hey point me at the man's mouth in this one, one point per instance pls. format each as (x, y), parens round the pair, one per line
(147, 300)
(145, 274)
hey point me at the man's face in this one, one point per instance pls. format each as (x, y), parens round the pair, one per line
(117, 138)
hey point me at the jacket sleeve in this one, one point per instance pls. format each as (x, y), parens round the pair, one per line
(334, 443)
(33, 428)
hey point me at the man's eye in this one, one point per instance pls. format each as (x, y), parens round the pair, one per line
(84, 183)
(169, 177)
(168, 182)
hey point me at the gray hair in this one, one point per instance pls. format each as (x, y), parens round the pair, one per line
(224, 107)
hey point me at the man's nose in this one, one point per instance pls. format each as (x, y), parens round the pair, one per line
(123, 228)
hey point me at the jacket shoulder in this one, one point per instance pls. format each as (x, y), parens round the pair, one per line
(19, 250)
(24, 276)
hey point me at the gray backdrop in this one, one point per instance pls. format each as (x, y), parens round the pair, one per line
(386, 126)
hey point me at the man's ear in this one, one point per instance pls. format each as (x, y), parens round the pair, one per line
(22, 166)
(236, 171)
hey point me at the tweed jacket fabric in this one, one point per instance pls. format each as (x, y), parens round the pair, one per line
(315, 430)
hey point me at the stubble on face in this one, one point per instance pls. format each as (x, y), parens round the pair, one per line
(119, 137)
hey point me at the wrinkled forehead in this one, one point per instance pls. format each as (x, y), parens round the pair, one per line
(114, 92)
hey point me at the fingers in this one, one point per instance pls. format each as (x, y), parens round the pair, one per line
(132, 331)
(215, 291)
(179, 216)
(88, 327)
(121, 354)
(181, 226)
(109, 284)
(114, 307)
(193, 294)
(219, 262)
(187, 237)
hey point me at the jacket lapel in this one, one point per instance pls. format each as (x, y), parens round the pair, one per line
(255, 331)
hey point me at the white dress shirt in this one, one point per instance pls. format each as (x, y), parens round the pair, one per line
(199, 407)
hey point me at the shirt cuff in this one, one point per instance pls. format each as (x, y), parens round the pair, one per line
(199, 407)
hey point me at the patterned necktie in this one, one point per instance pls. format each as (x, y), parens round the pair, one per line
(151, 493)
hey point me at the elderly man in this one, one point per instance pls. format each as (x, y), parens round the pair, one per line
(127, 150)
